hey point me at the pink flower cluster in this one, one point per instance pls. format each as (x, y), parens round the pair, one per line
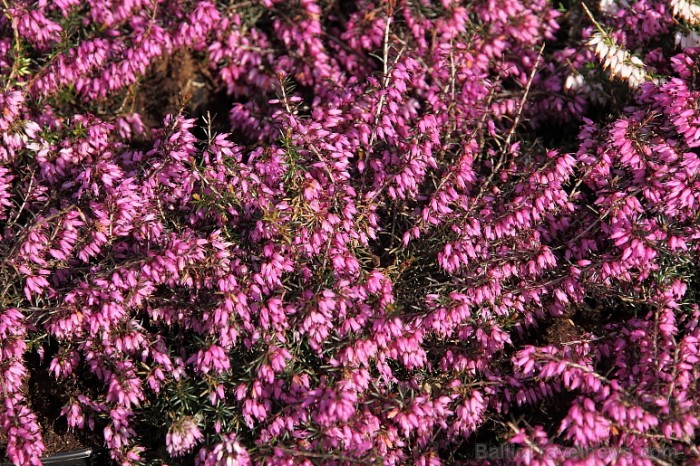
(430, 223)
(183, 435)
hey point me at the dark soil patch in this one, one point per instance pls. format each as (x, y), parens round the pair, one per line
(562, 330)
(181, 83)
(46, 397)
(489, 435)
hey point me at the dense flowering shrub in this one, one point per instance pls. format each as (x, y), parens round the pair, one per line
(429, 225)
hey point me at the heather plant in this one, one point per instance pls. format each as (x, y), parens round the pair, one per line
(425, 226)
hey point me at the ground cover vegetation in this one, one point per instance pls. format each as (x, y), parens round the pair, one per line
(371, 232)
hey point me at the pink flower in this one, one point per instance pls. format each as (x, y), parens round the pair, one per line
(227, 452)
(213, 359)
(184, 434)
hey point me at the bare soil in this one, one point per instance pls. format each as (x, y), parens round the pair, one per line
(181, 83)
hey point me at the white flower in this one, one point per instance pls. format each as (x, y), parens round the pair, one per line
(685, 10)
(574, 82)
(614, 62)
(619, 62)
(689, 41)
(608, 7)
(635, 80)
(626, 72)
(636, 61)
(595, 40)
(602, 50)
